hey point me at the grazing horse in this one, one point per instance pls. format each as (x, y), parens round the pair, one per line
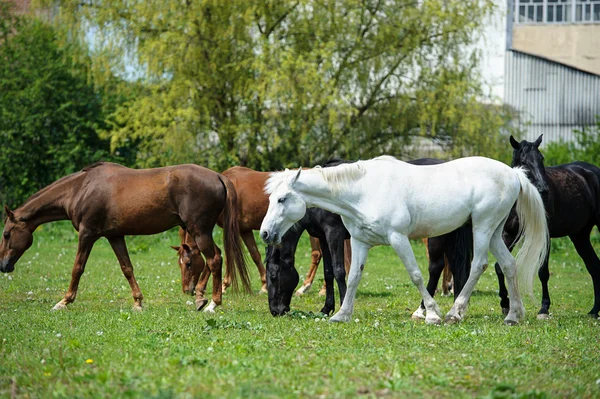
(384, 201)
(571, 194)
(112, 201)
(282, 276)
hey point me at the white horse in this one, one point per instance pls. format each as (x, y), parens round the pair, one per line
(384, 201)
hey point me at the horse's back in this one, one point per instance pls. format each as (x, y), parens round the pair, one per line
(252, 200)
(430, 200)
(575, 196)
(146, 201)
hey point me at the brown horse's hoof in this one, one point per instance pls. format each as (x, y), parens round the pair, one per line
(201, 303)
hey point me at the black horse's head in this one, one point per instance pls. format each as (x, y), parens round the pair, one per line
(282, 277)
(528, 155)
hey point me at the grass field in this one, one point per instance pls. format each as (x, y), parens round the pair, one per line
(99, 347)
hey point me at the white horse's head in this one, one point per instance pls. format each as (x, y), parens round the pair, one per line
(286, 206)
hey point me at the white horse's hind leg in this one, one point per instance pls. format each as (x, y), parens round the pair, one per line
(401, 245)
(481, 242)
(508, 265)
(359, 257)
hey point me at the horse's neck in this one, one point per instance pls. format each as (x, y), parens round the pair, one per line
(316, 193)
(48, 205)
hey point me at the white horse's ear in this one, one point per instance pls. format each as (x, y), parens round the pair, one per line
(295, 177)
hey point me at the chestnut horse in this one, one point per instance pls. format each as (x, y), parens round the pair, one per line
(252, 204)
(112, 201)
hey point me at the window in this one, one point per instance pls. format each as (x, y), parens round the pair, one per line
(556, 11)
(587, 11)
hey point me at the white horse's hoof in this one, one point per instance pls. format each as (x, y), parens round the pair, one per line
(339, 318)
(543, 316)
(419, 314)
(433, 320)
(511, 322)
(59, 306)
(452, 319)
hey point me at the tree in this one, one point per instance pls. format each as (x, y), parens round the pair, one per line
(49, 112)
(269, 84)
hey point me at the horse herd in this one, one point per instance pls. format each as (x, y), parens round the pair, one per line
(468, 207)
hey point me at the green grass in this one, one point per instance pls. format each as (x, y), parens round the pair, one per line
(99, 347)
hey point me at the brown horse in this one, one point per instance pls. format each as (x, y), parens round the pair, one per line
(112, 201)
(252, 207)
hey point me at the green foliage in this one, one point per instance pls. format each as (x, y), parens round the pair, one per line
(585, 147)
(100, 348)
(268, 84)
(49, 111)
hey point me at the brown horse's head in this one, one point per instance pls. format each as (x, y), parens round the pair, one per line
(16, 239)
(191, 264)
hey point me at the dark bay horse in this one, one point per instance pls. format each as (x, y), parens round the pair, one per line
(571, 195)
(112, 201)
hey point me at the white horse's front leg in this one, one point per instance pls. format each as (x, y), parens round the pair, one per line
(359, 257)
(401, 245)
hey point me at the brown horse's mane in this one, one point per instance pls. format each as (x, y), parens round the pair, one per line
(61, 180)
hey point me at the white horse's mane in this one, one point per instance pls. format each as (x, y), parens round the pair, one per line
(337, 177)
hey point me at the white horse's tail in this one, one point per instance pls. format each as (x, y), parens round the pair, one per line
(533, 233)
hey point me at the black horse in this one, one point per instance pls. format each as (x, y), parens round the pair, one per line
(571, 194)
(282, 276)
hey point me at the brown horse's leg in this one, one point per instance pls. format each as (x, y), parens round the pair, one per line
(120, 248)
(84, 248)
(248, 237)
(201, 288)
(214, 262)
(315, 257)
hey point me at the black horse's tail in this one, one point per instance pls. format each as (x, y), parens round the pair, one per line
(459, 252)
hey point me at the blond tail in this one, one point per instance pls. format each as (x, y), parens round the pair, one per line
(533, 233)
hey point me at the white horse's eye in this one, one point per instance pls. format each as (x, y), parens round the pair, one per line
(281, 200)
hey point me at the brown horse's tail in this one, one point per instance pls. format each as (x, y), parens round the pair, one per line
(235, 260)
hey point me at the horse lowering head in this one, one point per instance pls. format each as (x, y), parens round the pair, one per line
(191, 264)
(16, 239)
(528, 155)
(282, 277)
(286, 206)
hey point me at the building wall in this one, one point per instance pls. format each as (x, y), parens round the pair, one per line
(550, 98)
(577, 45)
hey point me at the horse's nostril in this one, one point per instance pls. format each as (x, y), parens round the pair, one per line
(264, 234)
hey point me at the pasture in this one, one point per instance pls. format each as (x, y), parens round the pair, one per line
(100, 347)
